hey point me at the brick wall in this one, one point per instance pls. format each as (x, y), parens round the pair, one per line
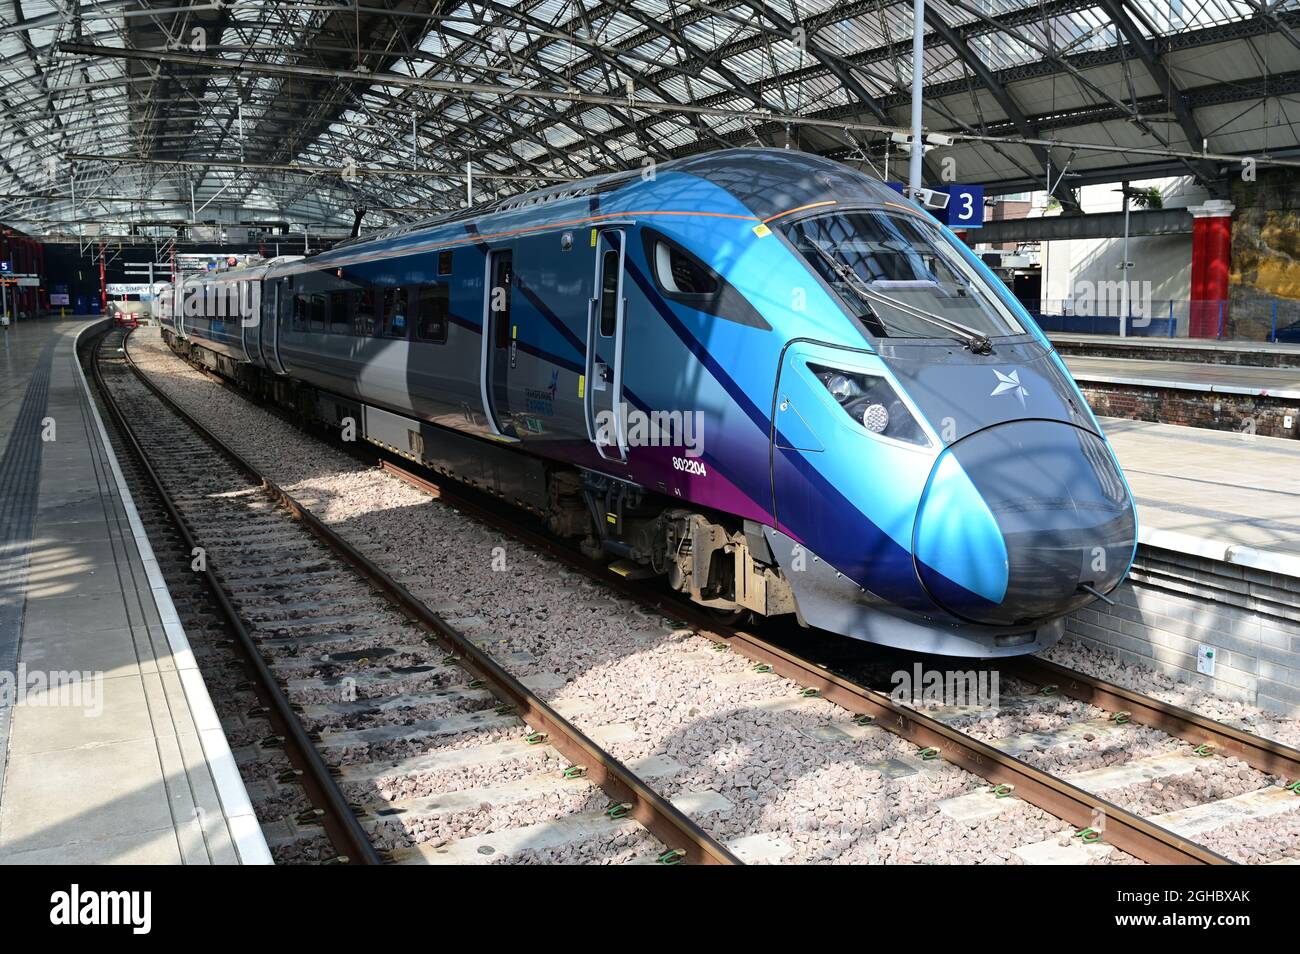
(1173, 602)
(1219, 412)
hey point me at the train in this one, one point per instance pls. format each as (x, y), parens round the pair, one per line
(759, 375)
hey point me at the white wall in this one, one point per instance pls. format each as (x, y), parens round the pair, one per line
(1165, 260)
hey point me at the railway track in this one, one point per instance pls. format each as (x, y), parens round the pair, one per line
(355, 673)
(275, 762)
(934, 736)
(1006, 774)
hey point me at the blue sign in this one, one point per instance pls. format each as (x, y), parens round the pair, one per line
(5, 265)
(965, 207)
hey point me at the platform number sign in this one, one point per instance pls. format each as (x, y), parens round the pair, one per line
(5, 266)
(965, 207)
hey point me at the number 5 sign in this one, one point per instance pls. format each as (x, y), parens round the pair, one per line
(965, 207)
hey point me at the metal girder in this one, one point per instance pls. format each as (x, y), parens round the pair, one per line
(849, 81)
(816, 50)
(1004, 100)
(1090, 226)
(1204, 171)
(318, 81)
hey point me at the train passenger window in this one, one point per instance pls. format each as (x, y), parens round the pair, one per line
(444, 263)
(395, 312)
(609, 293)
(363, 319)
(299, 312)
(340, 313)
(499, 297)
(316, 313)
(430, 313)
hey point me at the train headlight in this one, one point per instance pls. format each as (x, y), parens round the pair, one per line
(873, 403)
(876, 418)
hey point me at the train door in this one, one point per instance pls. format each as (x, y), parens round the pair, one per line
(498, 341)
(178, 316)
(249, 322)
(269, 326)
(604, 372)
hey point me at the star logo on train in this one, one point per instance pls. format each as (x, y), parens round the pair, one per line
(1010, 383)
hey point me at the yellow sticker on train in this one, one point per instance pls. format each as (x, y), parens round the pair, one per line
(761, 230)
(582, 384)
(593, 238)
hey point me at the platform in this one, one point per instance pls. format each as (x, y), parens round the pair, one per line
(126, 760)
(1213, 494)
(1206, 350)
(1217, 570)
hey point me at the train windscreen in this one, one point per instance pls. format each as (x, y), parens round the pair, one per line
(901, 274)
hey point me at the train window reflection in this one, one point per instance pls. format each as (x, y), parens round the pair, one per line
(363, 320)
(340, 319)
(395, 313)
(430, 313)
(316, 313)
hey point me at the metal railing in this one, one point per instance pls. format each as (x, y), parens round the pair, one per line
(1262, 319)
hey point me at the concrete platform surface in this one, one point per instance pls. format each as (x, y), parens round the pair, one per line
(110, 749)
(1231, 491)
(1282, 383)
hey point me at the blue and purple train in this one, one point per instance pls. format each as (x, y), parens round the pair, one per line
(759, 374)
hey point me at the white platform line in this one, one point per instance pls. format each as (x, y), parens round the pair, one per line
(246, 832)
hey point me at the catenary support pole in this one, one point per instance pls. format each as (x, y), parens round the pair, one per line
(918, 76)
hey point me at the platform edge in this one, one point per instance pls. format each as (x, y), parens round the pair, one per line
(245, 830)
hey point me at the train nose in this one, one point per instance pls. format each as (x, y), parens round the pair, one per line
(1019, 519)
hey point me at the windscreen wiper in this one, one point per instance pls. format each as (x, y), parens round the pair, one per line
(976, 342)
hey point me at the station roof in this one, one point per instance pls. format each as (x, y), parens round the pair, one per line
(123, 112)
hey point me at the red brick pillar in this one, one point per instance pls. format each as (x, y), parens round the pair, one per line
(1211, 259)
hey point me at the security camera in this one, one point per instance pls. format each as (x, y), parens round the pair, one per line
(931, 199)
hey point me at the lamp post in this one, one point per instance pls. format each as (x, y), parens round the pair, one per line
(1125, 265)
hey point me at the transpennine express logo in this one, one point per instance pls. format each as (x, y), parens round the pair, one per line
(1010, 383)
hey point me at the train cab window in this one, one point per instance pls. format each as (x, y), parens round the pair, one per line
(395, 313)
(681, 273)
(363, 319)
(429, 312)
(609, 272)
(340, 313)
(900, 273)
(681, 276)
(444, 263)
(316, 313)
